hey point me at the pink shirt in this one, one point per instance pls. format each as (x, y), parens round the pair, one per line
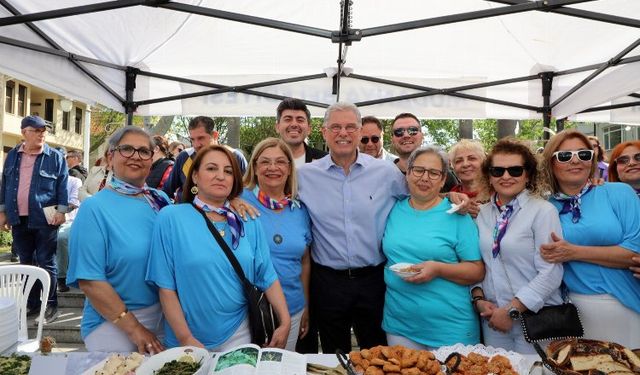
(27, 162)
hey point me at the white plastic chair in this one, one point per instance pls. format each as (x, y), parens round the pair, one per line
(16, 282)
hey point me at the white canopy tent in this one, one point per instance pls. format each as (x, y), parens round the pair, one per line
(435, 58)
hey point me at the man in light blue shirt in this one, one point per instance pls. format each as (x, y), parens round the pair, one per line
(349, 196)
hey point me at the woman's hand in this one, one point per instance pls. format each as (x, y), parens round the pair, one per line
(191, 341)
(304, 324)
(500, 320)
(280, 336)
(636, 269)
(145, 340)
(473, 208)
(243, 208)
(557, 251)
(429, 270)
(485, 308)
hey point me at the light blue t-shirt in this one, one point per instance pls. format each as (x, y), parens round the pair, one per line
(610, 217)
(186, 258)
(437, 312)
(294, 230)
(109, 241)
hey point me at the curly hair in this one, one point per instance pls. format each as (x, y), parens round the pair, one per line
(512, 146)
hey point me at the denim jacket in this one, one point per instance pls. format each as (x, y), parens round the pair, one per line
(48, 186)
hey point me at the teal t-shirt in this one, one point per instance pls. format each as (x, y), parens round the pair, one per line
(610, 215)
(187, 259)
(438, 312)
(288, 233)
(109, 241)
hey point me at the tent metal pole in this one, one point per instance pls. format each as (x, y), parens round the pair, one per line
(72, 11)
(560, 124)
(56, 47)
(258, 21)
(547, 83)
(610, 107)
(613, 62)
(585, 68)
(468, 16)
(580, 13)
(130, 86)
(429, 91)
(637, 96)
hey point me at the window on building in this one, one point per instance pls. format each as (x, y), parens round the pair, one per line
(612, 136)
(22, 100)
(78, 120)
(65, 120)
(8, 100)
(48, 110)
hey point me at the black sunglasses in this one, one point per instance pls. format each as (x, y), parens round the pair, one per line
(411, 130)
(515, 171)
(374, 139)
(566, 156)
(626, 159)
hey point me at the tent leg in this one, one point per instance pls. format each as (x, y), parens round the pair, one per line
(465, 129)
(130, 86)
(547, 80)
(560, 124)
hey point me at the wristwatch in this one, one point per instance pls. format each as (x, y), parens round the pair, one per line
(513, 313)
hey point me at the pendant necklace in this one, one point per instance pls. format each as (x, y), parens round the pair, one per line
(277, 237)
(221, 230)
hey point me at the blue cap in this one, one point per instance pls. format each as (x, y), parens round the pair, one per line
(35, 122)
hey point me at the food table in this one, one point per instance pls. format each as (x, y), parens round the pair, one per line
(76, 363)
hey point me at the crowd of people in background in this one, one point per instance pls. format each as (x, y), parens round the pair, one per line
(490, 234)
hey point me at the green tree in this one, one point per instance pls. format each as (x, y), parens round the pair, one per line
(255, 129)
(443, 133)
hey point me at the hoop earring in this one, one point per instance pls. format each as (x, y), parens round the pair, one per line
(194, 189)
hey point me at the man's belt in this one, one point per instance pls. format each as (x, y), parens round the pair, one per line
(352, 273)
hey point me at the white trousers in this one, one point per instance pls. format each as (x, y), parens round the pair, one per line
(293, 332)
(109, 338)
(605, 318)
(242, 336)
(401, 340)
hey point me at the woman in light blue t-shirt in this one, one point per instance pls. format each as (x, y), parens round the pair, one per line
(202, 297)
(433, 307)
(271, 186)
(601, 227)
(109, 248)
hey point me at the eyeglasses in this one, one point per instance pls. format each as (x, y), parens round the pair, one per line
(566, 156)
(515, 171)
(266, 163)
(127, 151)
(39, 131)
(374, 139)
(411, 130)
(433, 174)
(335, 128)
(626, 159)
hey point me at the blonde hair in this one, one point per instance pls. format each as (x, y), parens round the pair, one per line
(467, 144)
(547, 157)
(251, 179)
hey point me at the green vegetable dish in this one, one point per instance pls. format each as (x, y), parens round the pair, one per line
(15, 365)
(179, 367)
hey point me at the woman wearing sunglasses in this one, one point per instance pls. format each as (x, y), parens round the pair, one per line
(109, 248)
(512, 227)
(271, 186)
(430, 308)
(601, 227)
(625, 164)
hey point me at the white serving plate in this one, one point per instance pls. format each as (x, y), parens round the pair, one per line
(519, 363)
(98, 366)
(398, 270)
(156, 362)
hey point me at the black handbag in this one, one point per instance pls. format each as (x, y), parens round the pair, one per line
(552, 323)
(263, 320)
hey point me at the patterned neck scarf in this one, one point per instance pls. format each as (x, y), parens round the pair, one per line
(155, 199)
(571, 203)
(501, 224)
(235, 223)
(273, 204)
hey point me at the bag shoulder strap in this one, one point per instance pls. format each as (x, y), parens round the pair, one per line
(223, 245)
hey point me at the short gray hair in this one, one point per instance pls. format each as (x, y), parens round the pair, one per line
(444, 159)
(115, 139)
(339, 107)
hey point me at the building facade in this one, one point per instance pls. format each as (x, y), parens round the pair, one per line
(20, 99)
